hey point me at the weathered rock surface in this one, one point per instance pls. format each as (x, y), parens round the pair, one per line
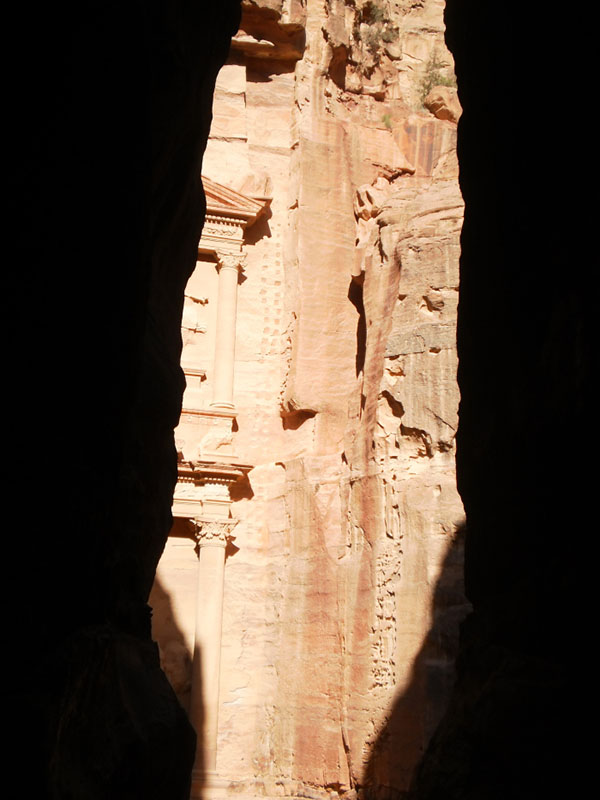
(443, 103)
(343, 596)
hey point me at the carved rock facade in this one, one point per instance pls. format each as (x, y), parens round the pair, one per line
(334, 449)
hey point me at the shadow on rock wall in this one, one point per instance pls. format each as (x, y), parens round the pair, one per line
(108, 676)
(418, 709)
(104, 181)
(176, 660)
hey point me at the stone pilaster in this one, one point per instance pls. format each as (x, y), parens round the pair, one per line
(229, 269)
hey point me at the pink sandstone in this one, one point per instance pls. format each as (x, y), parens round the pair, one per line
(325, 441)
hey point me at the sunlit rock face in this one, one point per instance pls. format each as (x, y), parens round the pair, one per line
(343, 588)
(109, 107)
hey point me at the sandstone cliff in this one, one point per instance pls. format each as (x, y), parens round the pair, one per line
(342, 603)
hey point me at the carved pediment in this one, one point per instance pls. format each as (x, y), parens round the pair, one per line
(224, 202)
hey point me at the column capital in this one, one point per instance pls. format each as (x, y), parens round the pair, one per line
(213, 533)
(236, 261)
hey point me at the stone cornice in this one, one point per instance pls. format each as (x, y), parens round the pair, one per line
(222, 220)
(208, 413)
(193, 372)
(202, 471)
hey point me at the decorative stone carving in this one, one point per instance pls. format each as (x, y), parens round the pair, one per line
(218, 490)
(353, 491)
(232, 261)
(219, 439)
(214, 533)
(223, 228)
(200, 489)
(228, 213)
(188, 489)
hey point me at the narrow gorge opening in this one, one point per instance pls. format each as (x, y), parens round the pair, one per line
(337, 540)
(335, 196)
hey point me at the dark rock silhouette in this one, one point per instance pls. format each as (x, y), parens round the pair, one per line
(524, 371)
(109, 107)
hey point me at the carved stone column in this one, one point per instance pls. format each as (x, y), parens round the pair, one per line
(229, 269)
(212, 537)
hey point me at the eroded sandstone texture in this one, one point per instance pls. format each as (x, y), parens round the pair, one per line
(342, 593)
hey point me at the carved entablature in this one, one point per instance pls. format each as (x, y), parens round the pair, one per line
(221, 230)
(217, 489)
(202, 486)
(214, 533)
(203, 489)
(187, 488)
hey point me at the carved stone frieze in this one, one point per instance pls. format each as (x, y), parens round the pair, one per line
(217, 489)
(201, 489)
(188, 489)
(223, 227)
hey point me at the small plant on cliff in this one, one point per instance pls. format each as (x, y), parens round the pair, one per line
(371, 25)
(389, 34)
(387, 121)
(434, 77)
(373, 12)
(371, 39)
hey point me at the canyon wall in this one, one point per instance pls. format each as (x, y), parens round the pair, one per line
(343, 593)
(82, 678)
(525, 348)
(108, 111)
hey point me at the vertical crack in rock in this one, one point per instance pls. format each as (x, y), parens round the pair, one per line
(355, 295)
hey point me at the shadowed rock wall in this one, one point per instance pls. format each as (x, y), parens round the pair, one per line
(109, 111)
(524, 368)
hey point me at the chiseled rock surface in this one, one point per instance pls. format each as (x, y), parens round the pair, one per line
(342, 603)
